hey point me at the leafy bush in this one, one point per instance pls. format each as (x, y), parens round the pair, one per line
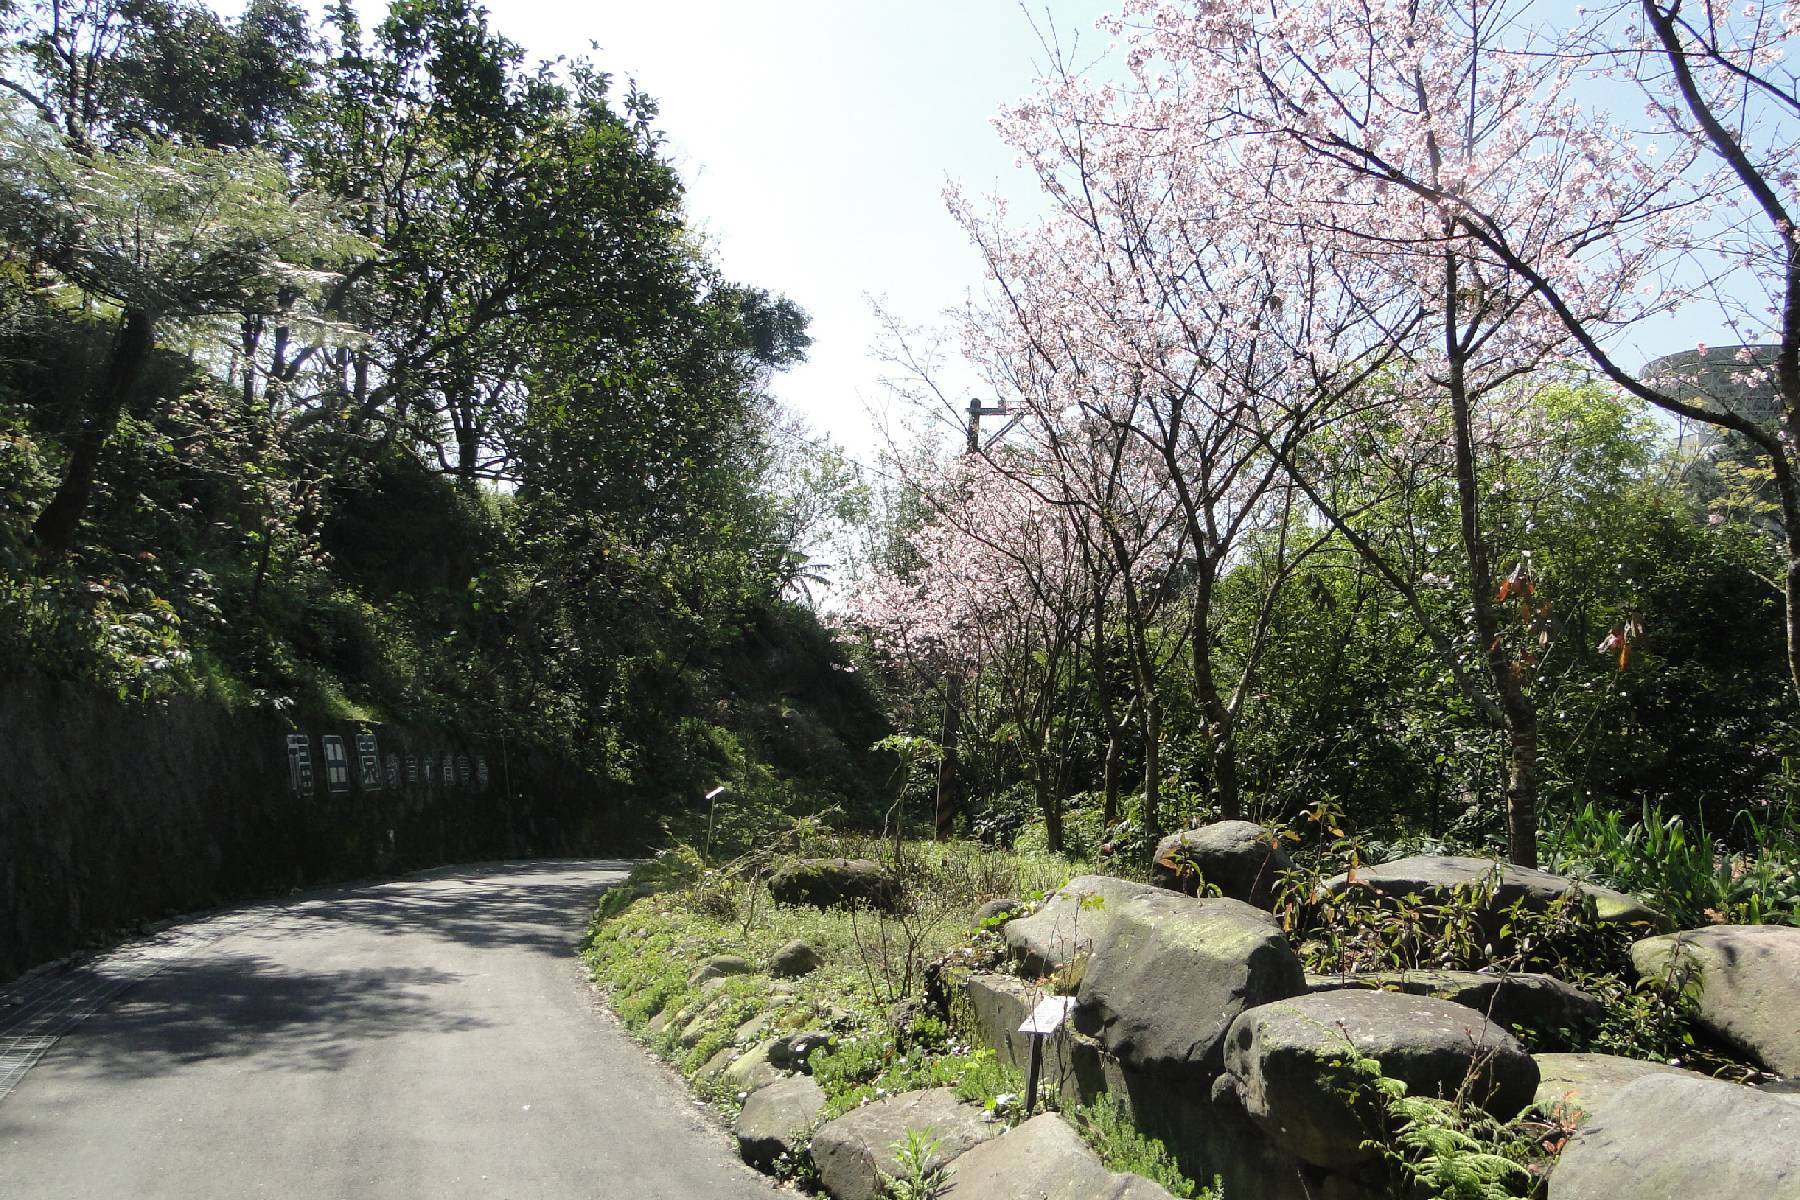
(1687, 875)
(1122, 1147)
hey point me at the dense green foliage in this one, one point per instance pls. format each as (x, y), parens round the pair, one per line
(1644, 609)
(377, 372)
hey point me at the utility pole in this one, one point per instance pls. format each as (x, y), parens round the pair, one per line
(950, 789)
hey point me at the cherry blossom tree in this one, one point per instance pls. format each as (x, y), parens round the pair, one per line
(1605, 212)
(1146, 305)
(994, 588)
(1368, 133)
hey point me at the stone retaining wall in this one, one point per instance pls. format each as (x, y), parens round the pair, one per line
(113, 814)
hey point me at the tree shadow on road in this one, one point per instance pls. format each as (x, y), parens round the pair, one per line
(274, 1017)
(512, 906)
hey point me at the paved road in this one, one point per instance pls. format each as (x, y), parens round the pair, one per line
(430, 1037)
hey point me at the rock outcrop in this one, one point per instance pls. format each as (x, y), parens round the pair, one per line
(1540, 1003)
(1239, 858)
(836, 883)
(1573, 1085)
(1287, 1063)
(1683, 1137)
(1433, 877)
(1043, 1159)
(1070, 921)
(1748, 985)
(1170, 974)
(852, 1152)
(777, 1118)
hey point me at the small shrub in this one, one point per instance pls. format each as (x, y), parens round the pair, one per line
(922, 1176)
(1122, 1147)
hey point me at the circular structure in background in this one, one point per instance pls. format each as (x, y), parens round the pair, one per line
(1739, 379)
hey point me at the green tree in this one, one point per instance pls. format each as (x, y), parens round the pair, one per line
(167, 235)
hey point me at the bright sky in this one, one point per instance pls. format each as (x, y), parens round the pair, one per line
(815, 137)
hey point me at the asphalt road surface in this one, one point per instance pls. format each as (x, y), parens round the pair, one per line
(429, 1037)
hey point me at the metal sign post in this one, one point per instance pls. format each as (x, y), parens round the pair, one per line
(1043, 1022)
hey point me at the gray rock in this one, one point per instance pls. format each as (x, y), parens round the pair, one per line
(1136, 1187)
(997, 912)
(1540, 1003)
(752, 1069)
(753, 1029)
(1286, 1058)
(776, 1119)
(852, 1152)
(1573, 1085)
(836, 883)
(1749, 984)
(791, 1053)
(1432, 877)
(1043, 1159)
(793, 960)
(998, 1004)
(718, 967)
(1682, 1137)
(717, 1063)
(1240, 858)
(1171, 973)
(1069, 922)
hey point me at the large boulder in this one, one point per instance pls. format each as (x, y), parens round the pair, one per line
(1287, 1062)
(720, 966)
(752, 1069)
(1043, 1159)
(1749, 985)
(776, 1119)
(854, 1151)
(1682, 1137)
(794, 960)
(836, 883)
(1433, 877)
(1240, 858)
(1069, 922)
(1573, 1085)
(1170, 974)
(1540, 1003)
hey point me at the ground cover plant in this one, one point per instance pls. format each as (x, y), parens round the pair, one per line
(650, 935)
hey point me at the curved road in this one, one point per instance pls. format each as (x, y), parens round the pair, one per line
(428, 1037)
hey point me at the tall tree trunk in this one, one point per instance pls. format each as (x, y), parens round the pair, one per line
(1048, 804)
(1521, 793)
(1109, 782)
(1103, 701)
(949, 780)
(1220, 729)
(1152, 766)
(54, 530)
(1518, 712)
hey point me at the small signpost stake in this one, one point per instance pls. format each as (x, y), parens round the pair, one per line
(1043, 1023)
(712, 806)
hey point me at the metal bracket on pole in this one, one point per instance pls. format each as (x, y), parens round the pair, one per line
(977, 410)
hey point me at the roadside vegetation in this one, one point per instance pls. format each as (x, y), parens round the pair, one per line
(869, 997)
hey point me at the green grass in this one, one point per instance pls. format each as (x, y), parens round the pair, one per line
(644, 948)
